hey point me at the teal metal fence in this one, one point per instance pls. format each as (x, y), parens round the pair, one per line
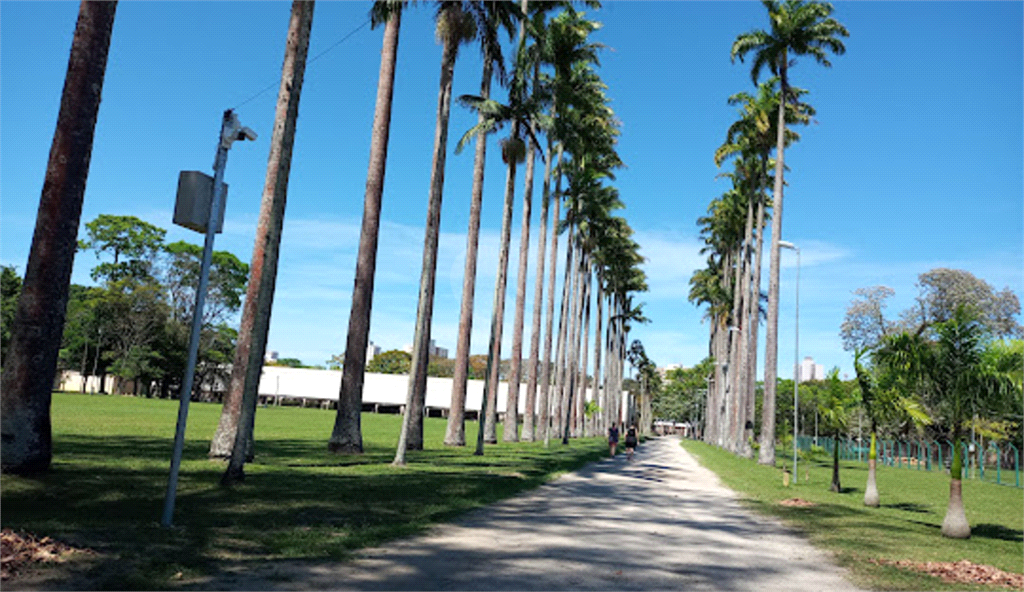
(991, 462)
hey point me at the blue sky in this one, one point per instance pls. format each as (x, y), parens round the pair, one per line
(915, 160)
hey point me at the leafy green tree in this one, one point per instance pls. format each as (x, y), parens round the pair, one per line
(394, 361)
(138, 313)
(797, 28)
(10, 288)
(681, 397)
(132, 243)
(289, 363)
(84, 344)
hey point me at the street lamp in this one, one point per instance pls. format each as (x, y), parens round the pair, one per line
(796, 354)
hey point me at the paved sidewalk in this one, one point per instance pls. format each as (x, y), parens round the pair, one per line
(658, 522)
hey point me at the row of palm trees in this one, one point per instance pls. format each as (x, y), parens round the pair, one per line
(556, 109)
(734, 228)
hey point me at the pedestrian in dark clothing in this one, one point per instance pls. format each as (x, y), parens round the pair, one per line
(631, 441)
(613, 439)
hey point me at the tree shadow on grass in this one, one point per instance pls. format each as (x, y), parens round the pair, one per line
(910, 507)
(106, 494)
(997, 531)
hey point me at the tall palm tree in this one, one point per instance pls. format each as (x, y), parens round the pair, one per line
(455, 26)
(491, 18)
(520, 113)
(797, 28)
(750, 140)
(252, 336)
(347, 435)
(31, 360)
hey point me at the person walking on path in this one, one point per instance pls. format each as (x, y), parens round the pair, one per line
(631, 441)
(613, 438)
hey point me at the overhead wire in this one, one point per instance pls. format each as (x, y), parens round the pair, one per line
(308, 62)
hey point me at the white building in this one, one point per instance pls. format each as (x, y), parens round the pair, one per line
(372, 350)
(664, 370)
(433, 350)
(811, 371)
(271, 357)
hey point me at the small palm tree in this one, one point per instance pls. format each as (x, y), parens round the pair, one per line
(957, 370)
(797, 28)
(836, 411)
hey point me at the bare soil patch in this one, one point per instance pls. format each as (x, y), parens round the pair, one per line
(20, 550)
(961, 572)
(797, 503)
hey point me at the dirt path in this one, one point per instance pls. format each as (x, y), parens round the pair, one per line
(660, 521)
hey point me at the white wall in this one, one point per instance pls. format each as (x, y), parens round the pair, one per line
(382, 389)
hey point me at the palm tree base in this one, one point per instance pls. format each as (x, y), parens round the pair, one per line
(344, 448)
(955, 525)
(871, 489)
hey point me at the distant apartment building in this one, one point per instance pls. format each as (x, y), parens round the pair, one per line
(664, 370)
(811, 371)
(270, 358)
(433, 351)
(372, 350)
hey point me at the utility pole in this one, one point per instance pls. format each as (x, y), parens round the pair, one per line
(230, 131)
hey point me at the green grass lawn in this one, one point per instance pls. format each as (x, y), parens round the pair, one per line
(111, 461)
(905, 526)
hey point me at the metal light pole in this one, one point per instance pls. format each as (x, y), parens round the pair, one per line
(230, 131)
(796, 355)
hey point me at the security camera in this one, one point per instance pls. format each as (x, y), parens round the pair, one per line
(246, 133)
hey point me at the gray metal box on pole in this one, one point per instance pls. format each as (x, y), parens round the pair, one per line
(192, 207)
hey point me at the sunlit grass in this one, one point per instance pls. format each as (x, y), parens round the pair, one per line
(905, 526)
(112, 457)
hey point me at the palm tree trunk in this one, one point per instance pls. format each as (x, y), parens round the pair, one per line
(871, 489)
(587, 428)
(347, 436)
(512, 406)
(572, 366)
(736, 368)
(836, 487)
(771, 349)
(38, 326)
(530, 420)
(456, 431)
(411, 436)
(563, 326)
(754, 321)
(743, 393)
(500, 285)
(733, 339)
(955, 524)
(259, 298)
(546, 397)
(599, 426)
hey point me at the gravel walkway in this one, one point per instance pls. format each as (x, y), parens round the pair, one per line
(660, 521)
